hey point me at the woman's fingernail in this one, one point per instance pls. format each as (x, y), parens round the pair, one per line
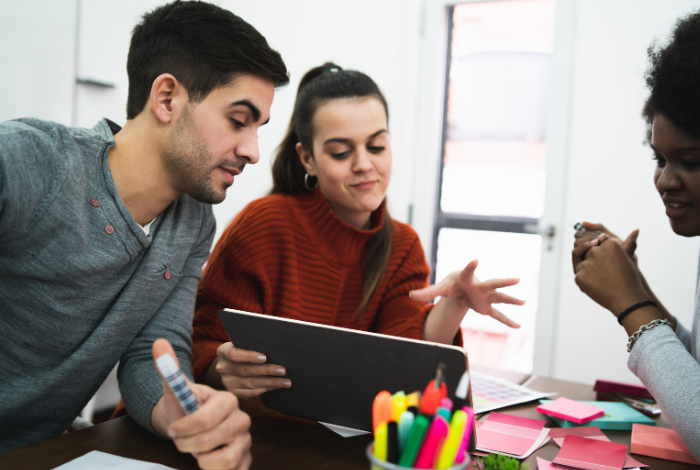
(280, 371)
(261, 358)
(172, 433)
(410, 294)
(286, 383)
(594, 241)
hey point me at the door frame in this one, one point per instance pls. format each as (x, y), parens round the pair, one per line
(428, 141)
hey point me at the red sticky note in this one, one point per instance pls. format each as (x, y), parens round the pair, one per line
(662, 443)
(571, 410)
(591, 454)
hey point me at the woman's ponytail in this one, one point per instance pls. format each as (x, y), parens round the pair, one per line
(287, 171)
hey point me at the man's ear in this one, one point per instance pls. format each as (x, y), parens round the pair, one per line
(306, 159)
(167, 95)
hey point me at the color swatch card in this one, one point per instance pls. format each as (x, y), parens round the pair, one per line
(618, 416)
(591, 454)
(543, 464)
(571, 410)
(662, 443)
(490, 393)
(589, 432)
(511, 435)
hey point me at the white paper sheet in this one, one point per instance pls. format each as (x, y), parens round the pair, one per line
(343, 430)
(97, 460)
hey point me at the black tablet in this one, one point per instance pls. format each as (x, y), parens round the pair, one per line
(337, 372)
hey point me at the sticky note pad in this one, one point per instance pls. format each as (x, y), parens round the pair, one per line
(591, 454)
(662, 443)
(571, 410)
(618, 416)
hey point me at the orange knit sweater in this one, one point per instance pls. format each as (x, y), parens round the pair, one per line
(292, 257)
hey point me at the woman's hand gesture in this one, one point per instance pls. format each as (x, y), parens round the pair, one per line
(466, 288)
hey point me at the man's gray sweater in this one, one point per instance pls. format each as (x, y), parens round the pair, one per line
(81, 285)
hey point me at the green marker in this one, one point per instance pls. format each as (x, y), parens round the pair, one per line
(414, 441)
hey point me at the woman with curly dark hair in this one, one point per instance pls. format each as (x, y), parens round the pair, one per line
(663, 353)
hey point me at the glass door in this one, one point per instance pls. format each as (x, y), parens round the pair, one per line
(491, 188)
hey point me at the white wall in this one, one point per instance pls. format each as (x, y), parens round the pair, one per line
(37, 59)
(610, 180)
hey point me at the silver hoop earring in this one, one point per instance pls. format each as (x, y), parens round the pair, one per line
(306, 183)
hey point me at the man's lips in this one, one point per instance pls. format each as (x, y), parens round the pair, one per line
(229, 173)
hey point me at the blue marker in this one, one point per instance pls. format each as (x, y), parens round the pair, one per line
(177, 383)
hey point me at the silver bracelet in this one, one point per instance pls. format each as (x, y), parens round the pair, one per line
(635, 336)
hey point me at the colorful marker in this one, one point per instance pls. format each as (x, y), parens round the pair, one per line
(414, 441)
(413, 400)
(466, 435)
(405, 424)
(392, 442)
(177, 383)
(382, 409)
(432, 444)
(399, 405)
(434, 392)
(453, 441)
(380, 441)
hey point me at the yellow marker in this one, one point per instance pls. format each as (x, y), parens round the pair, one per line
(398, 405)
(380, 441)
(413, 400)
(454, 438)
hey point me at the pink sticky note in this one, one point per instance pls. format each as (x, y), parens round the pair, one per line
(591, 454)
(543, 464)
(509, 434)
(571, 410)
(662, 443)
(586, 431)
(590, 432)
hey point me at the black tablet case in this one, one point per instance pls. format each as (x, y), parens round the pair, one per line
(337, 372)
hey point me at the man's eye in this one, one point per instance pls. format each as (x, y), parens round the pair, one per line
(237, 124)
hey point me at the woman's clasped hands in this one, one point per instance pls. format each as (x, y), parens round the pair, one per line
(606, 267)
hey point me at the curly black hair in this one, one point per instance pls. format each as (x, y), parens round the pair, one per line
(673, 78)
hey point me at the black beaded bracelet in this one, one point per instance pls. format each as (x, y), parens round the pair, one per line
(633, 308)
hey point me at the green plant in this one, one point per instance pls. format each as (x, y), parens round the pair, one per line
(498, 462)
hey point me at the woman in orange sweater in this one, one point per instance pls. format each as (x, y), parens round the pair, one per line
(323, 248)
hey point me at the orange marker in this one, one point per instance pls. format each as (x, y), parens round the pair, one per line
(434, 392)
(382, 409)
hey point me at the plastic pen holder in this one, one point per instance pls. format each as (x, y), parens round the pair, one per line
(378, 464)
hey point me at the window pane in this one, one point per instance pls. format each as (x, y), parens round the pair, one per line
(494, 159)
(501, 255)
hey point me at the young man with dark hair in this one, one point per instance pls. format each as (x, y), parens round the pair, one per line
(104, 231)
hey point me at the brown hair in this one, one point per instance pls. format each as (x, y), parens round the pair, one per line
(320, 85)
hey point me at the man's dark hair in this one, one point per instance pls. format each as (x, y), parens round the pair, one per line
(674, 78)
(202, 45)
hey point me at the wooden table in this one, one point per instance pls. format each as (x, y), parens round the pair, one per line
(280, 442)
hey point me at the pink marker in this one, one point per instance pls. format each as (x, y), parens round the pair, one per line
(446, 403)
(466, 437)
(432, 445)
